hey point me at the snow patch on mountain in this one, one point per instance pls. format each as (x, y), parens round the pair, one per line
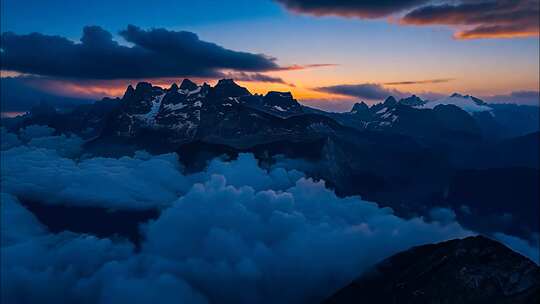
(468, 103)
(150, 117)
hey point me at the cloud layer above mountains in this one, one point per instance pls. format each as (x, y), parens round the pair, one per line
(234, 233)
(471, 19)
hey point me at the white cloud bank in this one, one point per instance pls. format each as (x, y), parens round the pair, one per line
(234, 233)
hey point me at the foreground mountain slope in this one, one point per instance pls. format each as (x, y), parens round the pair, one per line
(471, 270)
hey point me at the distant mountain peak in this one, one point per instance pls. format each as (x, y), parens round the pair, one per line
(287, 95)
(390, 101)
(188, 85)
(478, 101)
(412, 101)
(281, 102)
(130, 91)
(359, 107)
(143, 86)
(229, 88)
(174, 87)
(468, 103)
(458, 95)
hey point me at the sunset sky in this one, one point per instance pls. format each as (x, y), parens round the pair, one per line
(328, 53)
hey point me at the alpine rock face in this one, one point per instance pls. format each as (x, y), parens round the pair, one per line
(226, 113)
(408, 116)
(176, 110)
(470, 270)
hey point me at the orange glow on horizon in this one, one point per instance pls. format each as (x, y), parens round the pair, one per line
(116, 88)
(298, 92)
(501, 35)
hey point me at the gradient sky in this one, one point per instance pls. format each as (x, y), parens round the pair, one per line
(364, 51)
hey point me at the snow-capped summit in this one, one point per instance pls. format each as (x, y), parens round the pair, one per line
(468, 103)
(412, 101)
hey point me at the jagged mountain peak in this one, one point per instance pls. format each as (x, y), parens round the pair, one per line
(130, 91)
(228, 88)
(390, 101)
(458, 95)
(279, 94)
(412, 101)
(474, 99)
(359, 107)
(281, 103)
(143, 86)
(173, 88)
(188, 85)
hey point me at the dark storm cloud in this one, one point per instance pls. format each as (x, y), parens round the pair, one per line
(472, 18)
(370, 91)
(350, 8)
(155, 53)
(488, 19)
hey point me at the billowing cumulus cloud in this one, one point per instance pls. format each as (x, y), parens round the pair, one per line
(234, 233)
(155, 53)
(51, 169)
(472, 19)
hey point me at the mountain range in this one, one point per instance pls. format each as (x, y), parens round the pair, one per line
(476, 159)
(408, 154)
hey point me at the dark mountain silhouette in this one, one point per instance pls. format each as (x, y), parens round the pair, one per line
(470, 270)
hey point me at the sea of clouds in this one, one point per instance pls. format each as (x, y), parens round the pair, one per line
(234, 233)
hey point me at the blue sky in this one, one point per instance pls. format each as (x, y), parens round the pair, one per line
(374, 51)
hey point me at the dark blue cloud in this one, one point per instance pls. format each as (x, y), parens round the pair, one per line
(351, 8)
(155, 53)
(473, 19)
(234, 233)
(20, 94)
(369, 91)
(486, 19)
(518, 97)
